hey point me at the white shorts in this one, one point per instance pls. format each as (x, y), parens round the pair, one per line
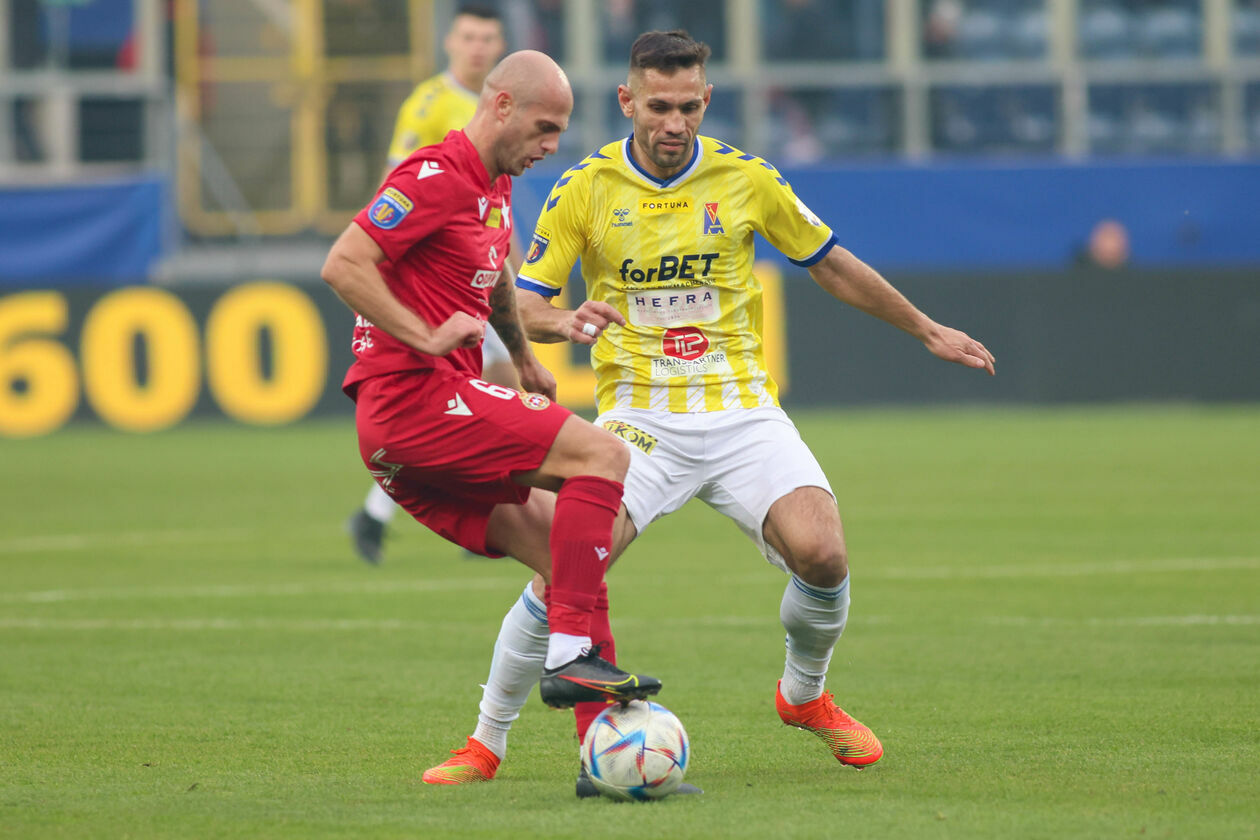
(738, 461)
(493, 350)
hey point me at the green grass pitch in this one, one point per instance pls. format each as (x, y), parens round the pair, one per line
(1055, 631)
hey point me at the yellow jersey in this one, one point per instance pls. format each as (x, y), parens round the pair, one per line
(675, 257)
(437, 106)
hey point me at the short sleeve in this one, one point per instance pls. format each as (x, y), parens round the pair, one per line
(558, 239)
(786, 222)
(406, 210)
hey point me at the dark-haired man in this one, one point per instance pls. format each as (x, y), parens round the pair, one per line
(663, 223)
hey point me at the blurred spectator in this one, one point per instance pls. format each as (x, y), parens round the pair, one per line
(1107, 246)
(940, 27)
(792, 127)
(976, 30)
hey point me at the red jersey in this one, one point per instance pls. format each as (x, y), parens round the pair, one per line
(445, 230)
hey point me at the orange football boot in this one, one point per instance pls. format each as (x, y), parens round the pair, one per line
(473, 763)
(851, 742)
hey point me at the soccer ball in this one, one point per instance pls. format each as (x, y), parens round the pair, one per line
(636, 752)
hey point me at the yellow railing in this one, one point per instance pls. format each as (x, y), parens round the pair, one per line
(294, 80)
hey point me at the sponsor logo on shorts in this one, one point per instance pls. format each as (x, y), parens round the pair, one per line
(535, 401)
(635, 437)
(390, 208)
(537, 247)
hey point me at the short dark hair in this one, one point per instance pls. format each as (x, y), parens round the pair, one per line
(479, 10)
(667, 51)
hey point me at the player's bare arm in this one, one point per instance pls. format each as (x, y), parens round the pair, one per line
(507, 323)
(849, 279)
(547, 323)
(350, 270)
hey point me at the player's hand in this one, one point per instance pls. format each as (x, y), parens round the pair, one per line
(956, 346)
(459, 330)
(592, 318)
(536, 379)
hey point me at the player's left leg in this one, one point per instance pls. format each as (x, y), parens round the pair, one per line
(804, 528)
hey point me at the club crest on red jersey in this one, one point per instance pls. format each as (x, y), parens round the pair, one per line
(535, 401)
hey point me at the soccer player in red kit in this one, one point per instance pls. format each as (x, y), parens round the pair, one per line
(423, 267)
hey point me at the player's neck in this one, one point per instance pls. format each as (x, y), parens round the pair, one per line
(645, 163)
(481, 137)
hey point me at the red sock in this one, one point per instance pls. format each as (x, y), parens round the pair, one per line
(601, 631)
(581, 545)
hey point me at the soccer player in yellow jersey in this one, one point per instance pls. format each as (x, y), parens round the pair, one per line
(436, 107)
(447, 101)
(663, 224)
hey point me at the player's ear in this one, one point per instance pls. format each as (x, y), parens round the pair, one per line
(708, 92)
(626, 99)
(504, 104)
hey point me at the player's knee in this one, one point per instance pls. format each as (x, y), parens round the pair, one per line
(821, 562)
(609, 457)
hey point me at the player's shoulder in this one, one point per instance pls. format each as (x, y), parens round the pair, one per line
(430, 163)
(590, 167)
(575, 182)
(723, 156)
(431, 86)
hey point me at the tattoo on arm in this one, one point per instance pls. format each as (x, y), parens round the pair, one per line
(503, 316)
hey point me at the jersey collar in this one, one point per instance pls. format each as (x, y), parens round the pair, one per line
(673, 180)
(454, 84)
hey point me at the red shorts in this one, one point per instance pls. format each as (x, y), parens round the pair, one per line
(445, 446)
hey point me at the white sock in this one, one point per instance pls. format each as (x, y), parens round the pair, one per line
(514, 670)
(379, 505)
(814, 618)
(564, 648)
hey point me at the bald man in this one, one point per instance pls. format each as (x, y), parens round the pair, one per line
(424, 266)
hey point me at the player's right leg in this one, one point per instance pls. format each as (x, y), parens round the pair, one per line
(519, 651)
(588, 466)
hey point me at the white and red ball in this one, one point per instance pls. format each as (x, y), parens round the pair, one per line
(636, 752)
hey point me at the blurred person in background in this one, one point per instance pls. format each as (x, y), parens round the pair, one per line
(1107, 246)
(437, 106)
